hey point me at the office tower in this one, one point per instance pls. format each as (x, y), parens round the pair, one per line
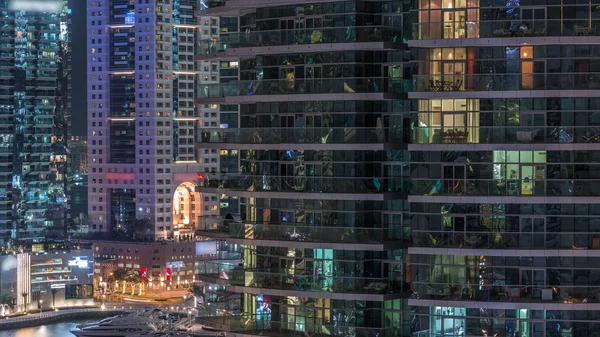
(142, 116)
(34, 105)
(315, 108)
(504, 187)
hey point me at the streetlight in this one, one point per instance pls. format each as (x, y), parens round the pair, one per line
(41, 306)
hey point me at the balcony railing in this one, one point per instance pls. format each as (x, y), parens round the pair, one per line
(307, 184)
(504, 82)
(210, 4)
(301, 87)
(506, 240)
(272, 278)
(505, 293)
(506, 134)
(266, 325)
(270, 38)
(315, 233)
(504, 28)
(354, 135)
(506, 187)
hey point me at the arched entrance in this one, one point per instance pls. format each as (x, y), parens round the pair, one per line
(187, 207)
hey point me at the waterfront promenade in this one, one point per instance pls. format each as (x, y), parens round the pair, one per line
(96, 313)
(51, 316)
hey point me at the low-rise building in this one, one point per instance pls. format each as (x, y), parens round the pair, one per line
(47, 279)
(163, 265)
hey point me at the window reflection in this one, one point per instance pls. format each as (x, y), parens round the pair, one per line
(447, 121)
(520, 172)
(448, 19)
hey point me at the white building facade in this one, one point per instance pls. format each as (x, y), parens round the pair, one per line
(141, 114)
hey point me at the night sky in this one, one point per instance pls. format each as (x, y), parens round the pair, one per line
(79, 68)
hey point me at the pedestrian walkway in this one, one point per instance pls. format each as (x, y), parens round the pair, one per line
(49, 316)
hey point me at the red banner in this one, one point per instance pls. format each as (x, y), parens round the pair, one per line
(168, 274)
(144, 272)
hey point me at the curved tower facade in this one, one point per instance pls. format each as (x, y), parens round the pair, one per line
(504, 195)
(312, 105)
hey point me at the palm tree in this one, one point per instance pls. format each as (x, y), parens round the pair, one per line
(54, 291)
(143, 285)
(119, 275)
(134, 277)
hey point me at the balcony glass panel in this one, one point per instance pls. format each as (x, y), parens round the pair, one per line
(290, 279)
(300, 87)
(306, 183)
(271, 38)
(315, 233)
(301, 135)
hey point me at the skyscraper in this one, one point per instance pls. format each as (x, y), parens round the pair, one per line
(142, 115)
(34, 105)
(503, 166)
(315, 105)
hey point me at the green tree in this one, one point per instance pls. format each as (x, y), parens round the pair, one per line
(6, 299)
(118, 276)
(133, 277)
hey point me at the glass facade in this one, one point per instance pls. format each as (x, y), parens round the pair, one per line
(452, 142)
(502, 161)
(122, 142)
(34, 67)
(321, 175)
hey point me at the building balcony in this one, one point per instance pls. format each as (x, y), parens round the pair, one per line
(265, 325)
(210, 4)
(537, 238)
(300, 184)
(507, 134)
(300, 87)
(443, 84)
(486, 29)
(307, 36)
(51, 272)
(272, 279)
(49, 18)
(527, 187)
(488, 292)
(285, 233)
(295, 137)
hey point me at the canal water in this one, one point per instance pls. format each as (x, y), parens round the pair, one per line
(50, 330)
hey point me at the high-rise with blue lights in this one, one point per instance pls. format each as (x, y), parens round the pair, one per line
(34, 104)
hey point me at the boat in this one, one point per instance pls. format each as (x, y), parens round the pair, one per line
(151, 323)
(116, 318)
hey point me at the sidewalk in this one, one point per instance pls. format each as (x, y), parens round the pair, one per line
(167, 295)
(38, 318)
